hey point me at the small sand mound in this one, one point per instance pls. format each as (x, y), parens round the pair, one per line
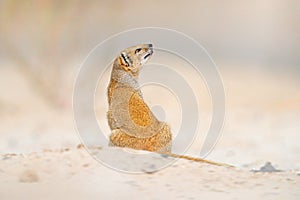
(28, 176)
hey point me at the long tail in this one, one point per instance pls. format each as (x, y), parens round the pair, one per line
(198, 160)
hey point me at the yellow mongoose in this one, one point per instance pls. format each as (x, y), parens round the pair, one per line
(132, 123)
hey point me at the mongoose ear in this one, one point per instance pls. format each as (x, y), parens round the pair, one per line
(125, 59)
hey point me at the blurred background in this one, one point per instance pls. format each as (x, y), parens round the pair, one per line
(255, 44)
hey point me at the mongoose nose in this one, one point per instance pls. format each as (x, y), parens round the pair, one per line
(150, 45)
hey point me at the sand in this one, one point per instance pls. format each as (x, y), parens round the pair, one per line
(72, 173)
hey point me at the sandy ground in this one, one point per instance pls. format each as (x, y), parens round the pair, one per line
(73, 174)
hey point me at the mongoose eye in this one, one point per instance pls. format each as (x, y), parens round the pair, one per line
(137, 50)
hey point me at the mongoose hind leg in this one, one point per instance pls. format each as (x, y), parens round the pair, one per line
(160, 142)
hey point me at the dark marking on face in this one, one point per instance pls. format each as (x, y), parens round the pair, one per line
(146, 56)
(126, 59)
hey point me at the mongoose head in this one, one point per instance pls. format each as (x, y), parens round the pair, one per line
(133, 58)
